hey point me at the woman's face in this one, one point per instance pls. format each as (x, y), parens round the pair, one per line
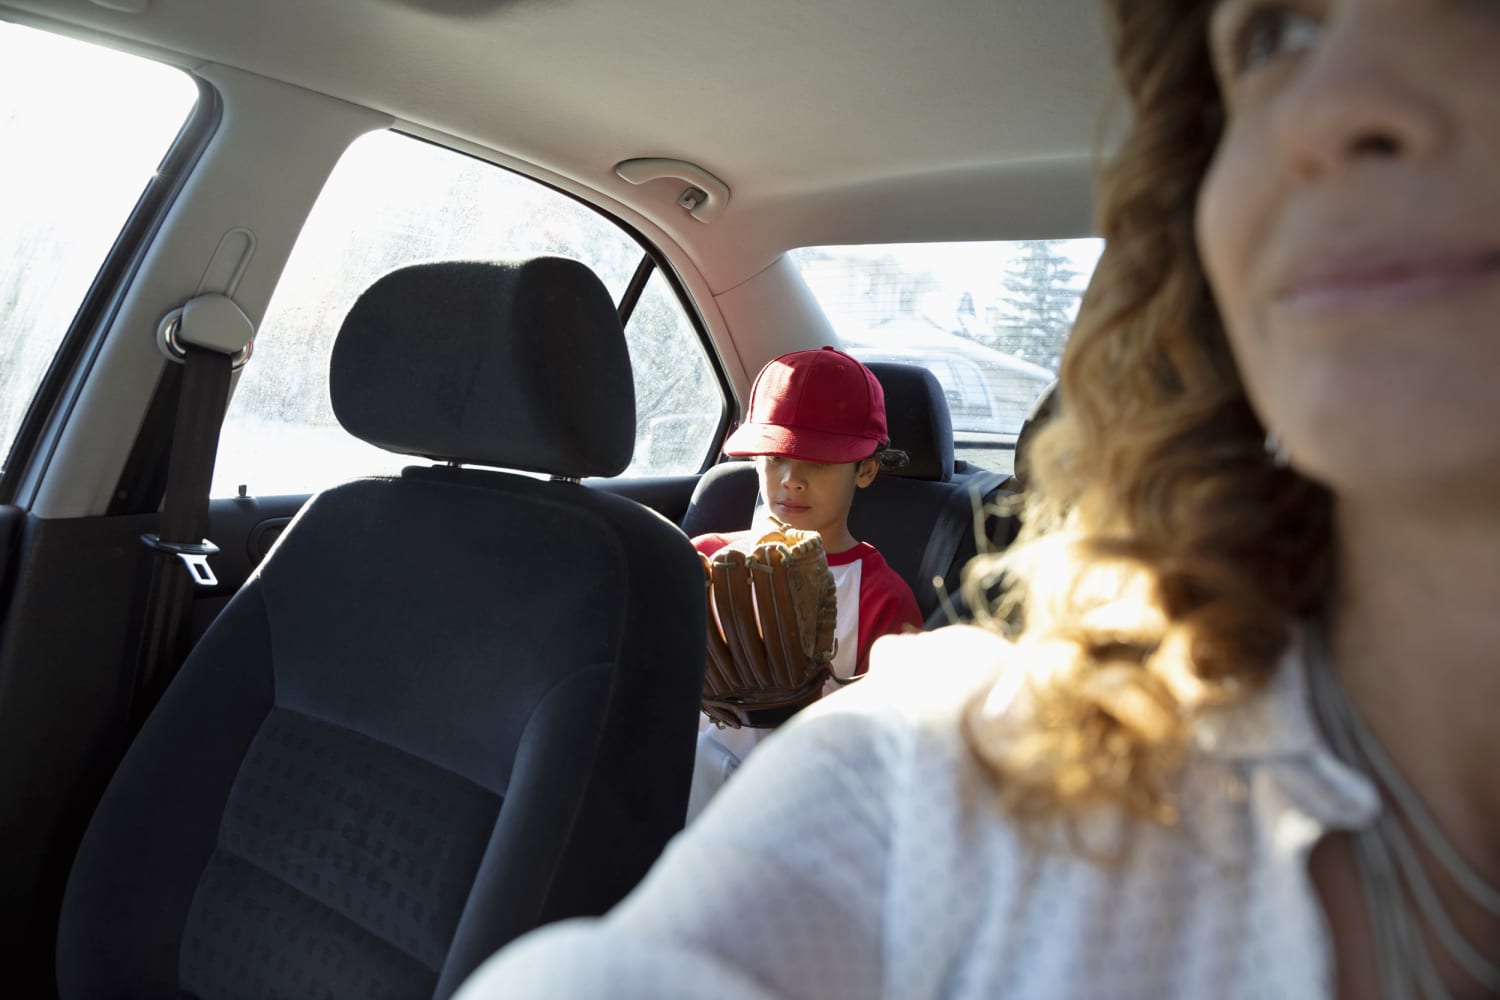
(1350, 229)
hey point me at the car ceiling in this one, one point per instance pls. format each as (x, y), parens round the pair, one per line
(836, 121)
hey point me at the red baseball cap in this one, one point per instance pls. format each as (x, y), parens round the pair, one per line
(819, 406)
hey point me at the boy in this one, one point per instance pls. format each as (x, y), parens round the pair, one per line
(817, 431)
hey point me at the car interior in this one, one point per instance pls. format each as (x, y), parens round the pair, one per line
(364, 369)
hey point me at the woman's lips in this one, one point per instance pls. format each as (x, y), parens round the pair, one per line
(1413, 279)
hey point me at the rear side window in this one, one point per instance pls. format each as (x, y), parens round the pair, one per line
(83, 130)
(395, 200)
(989, 320)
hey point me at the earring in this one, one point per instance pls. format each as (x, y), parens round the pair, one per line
(1276, 449)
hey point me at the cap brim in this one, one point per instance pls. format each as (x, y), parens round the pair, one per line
(795, 442)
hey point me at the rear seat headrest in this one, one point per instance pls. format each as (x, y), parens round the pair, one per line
(916, 413)
(521, 365)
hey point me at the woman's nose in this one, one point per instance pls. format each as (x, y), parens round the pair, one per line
(1359, 97)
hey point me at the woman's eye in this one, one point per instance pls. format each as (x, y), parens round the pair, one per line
(1266, 33)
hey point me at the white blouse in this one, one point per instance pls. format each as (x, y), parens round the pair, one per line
(859, 853)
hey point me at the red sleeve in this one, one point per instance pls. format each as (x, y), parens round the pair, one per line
(886, 605)
(709, 544)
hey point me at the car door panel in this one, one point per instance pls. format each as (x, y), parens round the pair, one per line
(67, 656)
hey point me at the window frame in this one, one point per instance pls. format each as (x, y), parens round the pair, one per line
(142, 469)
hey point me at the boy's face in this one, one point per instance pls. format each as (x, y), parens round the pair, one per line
(813, 496)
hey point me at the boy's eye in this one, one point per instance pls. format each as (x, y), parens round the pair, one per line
(774, 464)
(1249, 36)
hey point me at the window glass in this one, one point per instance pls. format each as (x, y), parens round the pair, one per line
(988, 319)
(678, 401)
(394, 200)
(82, 130)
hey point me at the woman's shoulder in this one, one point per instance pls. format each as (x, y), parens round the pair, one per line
(853, 762)
(917, 681)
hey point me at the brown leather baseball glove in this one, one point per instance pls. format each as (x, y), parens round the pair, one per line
(772, 611)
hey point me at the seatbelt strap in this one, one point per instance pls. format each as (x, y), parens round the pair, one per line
(211, 337)
(962, 512)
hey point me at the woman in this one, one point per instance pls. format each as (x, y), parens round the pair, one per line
(1239, 745)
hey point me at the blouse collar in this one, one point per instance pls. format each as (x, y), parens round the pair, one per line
(1275, 729)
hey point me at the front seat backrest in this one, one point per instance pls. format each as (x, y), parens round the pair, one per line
(452, 705)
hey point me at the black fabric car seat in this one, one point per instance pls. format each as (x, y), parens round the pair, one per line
(920, 517)
(451, 705)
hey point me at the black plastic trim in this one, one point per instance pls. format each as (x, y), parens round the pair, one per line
(636, 288)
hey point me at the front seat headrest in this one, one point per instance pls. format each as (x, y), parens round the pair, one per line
(916, 415)
(521, 365)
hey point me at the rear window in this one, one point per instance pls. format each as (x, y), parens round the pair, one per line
(988, 319)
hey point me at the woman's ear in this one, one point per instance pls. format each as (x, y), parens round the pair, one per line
(865, 472)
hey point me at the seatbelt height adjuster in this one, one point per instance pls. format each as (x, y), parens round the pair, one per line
(194, 556)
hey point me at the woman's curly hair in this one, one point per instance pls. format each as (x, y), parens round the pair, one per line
(1163, 557)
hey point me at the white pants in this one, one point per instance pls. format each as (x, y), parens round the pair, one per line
(720, 752)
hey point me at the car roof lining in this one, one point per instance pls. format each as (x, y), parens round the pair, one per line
(881, 121)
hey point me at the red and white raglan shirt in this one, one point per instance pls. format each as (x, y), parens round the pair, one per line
(873, 600)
